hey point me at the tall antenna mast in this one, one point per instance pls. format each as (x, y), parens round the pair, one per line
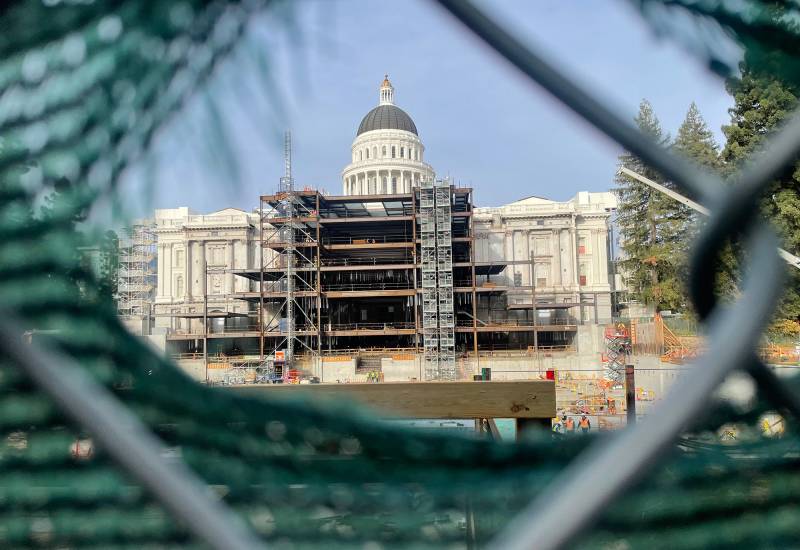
(287, 182)
(287, 186)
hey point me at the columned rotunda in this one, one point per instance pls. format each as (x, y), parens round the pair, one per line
(388, 156)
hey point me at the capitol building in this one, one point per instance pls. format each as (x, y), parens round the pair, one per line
(527, 274)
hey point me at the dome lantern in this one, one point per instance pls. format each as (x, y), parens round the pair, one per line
(387, 92)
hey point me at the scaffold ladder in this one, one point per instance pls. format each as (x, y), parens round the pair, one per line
(430, 311)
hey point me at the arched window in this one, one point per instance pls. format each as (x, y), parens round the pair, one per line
(402, 152)
(367, 150)
(394, 151)
(374, 152)
(393, 189)
(361, 155)
(383, 151)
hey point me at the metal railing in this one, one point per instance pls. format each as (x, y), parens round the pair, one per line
(371, 326)
(399, 285)
(372, 239)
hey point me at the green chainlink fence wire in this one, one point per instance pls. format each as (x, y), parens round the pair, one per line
(83, 87)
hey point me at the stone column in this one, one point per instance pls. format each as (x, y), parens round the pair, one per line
(574, 253)
(160, 273)
(229, 266)
(555, 242)
(168, 272)
(201, 266)
(188, 281)
(602, 255)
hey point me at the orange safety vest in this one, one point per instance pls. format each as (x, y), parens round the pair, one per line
(584, 423)
(570, 424)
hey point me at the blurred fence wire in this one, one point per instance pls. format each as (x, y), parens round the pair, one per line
(84, 87)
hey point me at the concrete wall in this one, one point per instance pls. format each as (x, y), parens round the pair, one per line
(194, 368)
(397, 370)
(338, 371)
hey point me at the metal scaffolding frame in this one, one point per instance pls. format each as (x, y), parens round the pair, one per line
(137, 274)
(444, 275)
(430, 310)
(436, 266)
(294, 242)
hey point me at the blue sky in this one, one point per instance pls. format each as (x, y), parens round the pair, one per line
(481, 122)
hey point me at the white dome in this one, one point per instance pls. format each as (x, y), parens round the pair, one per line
(387, 154)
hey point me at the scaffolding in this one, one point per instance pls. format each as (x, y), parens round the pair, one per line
(137, 274)
(290, 245)
(436, 265)
(430, 310)
(444, 274)
(618, 346)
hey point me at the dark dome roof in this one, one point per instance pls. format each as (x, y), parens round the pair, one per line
(386, 117)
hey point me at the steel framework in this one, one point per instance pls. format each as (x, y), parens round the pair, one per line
(289, 241)
(136, 270)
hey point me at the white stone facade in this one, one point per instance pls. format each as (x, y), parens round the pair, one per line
(567, 243)
(196, 254)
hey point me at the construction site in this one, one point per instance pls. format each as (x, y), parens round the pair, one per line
(349, 283)
(390, 288)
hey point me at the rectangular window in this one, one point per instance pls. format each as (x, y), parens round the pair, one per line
(583, 274)
(517, 279)
(582, 248)
(394, 151)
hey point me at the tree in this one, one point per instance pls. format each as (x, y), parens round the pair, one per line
(762, 101)
(696, 143)
(648, 235)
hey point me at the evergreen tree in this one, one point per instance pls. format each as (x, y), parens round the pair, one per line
(696, 143)
(762, 102)
(647, 236)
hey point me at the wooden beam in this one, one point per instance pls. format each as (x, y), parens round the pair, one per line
(517, 399)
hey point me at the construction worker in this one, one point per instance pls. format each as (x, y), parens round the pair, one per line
(584, 424)
(569, 423)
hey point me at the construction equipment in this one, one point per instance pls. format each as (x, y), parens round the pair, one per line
(618, 344)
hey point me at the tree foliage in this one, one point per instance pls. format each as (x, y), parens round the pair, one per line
(649, 228)
(762, 101)
(656, 230)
